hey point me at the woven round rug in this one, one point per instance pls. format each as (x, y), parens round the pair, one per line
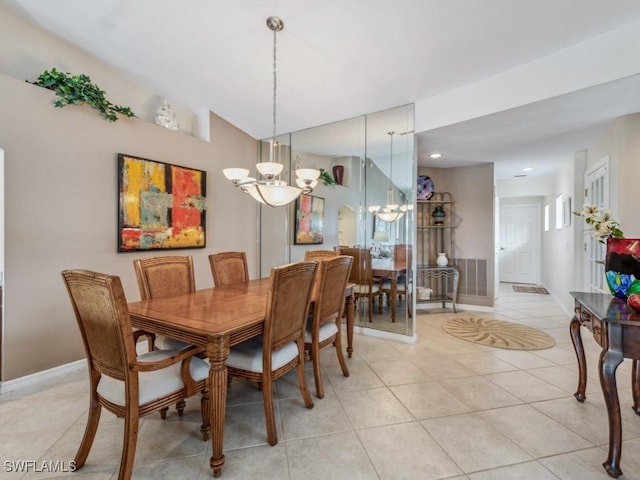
(498, 333)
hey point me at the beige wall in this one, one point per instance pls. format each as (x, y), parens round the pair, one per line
(558, 258)
(61, 211)
(26, 51)
(60, 188)
(628, 184)
(621, 142)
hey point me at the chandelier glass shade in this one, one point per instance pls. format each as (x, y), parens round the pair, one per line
(268, 188)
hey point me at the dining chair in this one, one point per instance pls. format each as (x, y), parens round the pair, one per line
(127, 385)
(229, 268)
(318, 255)
(324, 324)
(165, 276)
(161, 277)
(402, 255)
(362, 276)
(280, 348)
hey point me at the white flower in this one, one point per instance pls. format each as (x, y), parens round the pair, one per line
(601, 221)
(589, 212)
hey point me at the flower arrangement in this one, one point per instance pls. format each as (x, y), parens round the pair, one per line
(622, 267)
(601, 222)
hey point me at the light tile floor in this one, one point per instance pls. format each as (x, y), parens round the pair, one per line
(441, 408)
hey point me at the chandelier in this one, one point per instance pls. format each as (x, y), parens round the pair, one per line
(270, 189)
(391, 211)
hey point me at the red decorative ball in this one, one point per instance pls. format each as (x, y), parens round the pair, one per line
(633, 301)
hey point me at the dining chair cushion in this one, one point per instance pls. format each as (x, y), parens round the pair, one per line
(325, 331)
(364, 289)
(167, 343)
(399, 286)
(156, 384)
(248, 355)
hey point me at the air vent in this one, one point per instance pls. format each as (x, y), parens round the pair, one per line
(474, 276)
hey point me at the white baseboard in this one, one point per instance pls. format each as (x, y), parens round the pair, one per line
(28, 380)
(397, 337)
(460, 307)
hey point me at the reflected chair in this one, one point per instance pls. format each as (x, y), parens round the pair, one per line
(280, 348)
(362, 276)
(402, 255)
(127, 385)
(324, 325)
(229, 268)
(318, 255)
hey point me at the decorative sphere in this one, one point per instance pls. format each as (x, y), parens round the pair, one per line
(633, 301)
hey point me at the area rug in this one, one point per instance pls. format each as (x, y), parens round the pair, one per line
(529, 289)
(498, 333)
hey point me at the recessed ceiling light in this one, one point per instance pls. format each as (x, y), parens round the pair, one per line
(435, 155)
(520, 175)
(527, 169)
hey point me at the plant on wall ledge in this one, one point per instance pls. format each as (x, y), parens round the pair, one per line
(78, 89)
(326, 178)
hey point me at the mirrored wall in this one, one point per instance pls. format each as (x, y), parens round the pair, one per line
(368, 162)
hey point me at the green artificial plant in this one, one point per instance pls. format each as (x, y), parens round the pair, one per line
(327, 178)
(78, 89)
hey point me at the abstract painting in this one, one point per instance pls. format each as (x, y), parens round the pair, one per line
(161, 206)
(309, 218)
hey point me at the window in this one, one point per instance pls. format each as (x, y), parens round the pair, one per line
(546, 217)
(559, 220)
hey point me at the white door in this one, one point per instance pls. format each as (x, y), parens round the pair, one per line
(596, 192)
(519, 243)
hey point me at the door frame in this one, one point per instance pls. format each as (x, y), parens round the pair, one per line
(594, 251)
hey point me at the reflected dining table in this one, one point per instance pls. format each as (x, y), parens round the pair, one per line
(388, 268)
(216, 319)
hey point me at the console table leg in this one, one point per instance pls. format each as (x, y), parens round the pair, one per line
(455, 291)
(576, 339)
(635, 385)
(607, 365)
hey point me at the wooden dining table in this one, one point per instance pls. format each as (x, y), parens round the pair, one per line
(216, 319)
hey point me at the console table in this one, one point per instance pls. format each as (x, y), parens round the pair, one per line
(423, 272)
(616, 328)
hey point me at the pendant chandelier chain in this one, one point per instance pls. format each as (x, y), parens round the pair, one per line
(274, 84)
(391, 160)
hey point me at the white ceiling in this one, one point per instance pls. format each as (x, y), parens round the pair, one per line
(541, 135)
(338, 59)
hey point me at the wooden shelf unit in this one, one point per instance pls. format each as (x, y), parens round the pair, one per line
(432, 239)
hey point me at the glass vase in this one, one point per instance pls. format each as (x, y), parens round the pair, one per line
(622, 266)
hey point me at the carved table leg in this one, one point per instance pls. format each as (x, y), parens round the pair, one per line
(576, 339)
(393, 295)
(218, 351)
(607, 365)
(635, 385)
(350, 313)
(455, 290)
